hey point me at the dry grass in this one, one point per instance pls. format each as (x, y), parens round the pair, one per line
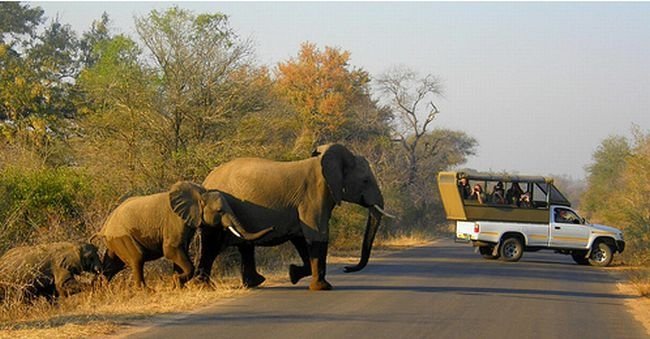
(105, 310)
(640, 279)
(404, 240)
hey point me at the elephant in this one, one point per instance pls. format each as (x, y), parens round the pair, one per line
(297, 197)
(46, 270)
(145, 228)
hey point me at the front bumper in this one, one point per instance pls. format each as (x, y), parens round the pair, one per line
(620, 246)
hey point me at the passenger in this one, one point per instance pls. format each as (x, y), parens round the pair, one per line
(465, 189)
(525, 201)
(513, 194)
(498, 194)
(565, 217)
(477, 194)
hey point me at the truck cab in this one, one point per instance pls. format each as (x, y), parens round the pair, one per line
(503, 216)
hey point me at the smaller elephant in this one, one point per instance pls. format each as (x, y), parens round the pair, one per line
(145, 228)
(46, 270)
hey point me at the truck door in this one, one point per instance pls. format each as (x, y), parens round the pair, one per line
(567, 229)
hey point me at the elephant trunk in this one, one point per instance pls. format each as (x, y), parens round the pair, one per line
(232, 223)
(372, 224)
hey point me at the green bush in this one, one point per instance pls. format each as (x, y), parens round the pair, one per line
(41, 204)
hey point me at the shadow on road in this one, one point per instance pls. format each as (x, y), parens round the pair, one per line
(465, 290)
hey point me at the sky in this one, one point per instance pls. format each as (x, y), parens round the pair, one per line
(539, 85)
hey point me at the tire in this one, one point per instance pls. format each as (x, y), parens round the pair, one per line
(579, 258)
(511, 249)
(601, 255)
(486, 252)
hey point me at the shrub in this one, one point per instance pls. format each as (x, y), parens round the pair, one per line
(41, 203)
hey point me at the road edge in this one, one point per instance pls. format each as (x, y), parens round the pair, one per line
(637, 306)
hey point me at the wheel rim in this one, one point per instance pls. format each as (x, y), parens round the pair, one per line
(510, 250)
(599, 255)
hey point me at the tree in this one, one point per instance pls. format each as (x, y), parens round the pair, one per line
(120, 131)
(204, 72)
(618, 185)
(195, 55)
(17, 19)
(99, 31)
(411, 100)
(323, 89)
(604, 176)
(37, 70)
(633, 195)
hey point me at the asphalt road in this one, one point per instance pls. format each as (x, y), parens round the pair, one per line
(444, 290)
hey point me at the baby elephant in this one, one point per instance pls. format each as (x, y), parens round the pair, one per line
(46, 270)
(148, 227)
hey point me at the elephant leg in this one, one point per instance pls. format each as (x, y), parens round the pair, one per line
(317, 260)
(249, 275)
(211, 245)
(130, 253)
(111, 265)
(298, 272)
(137, 265)
(180, 259)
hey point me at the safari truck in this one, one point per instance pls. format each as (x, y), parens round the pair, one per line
(503, 216)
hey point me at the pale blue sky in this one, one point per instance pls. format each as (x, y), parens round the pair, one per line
(538, 84)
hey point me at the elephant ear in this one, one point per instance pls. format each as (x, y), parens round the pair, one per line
(185, 200)
(335, 161)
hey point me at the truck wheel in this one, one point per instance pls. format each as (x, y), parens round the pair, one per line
(511, 249)
(486, 252)
(601, 255)
(579, 258)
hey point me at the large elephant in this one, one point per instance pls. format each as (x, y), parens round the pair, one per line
(46, 270)
(297, 198)
(148, 227)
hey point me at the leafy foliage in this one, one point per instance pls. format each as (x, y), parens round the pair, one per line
(37, 203)
(322, 87)
(604, 178)
(618, 187)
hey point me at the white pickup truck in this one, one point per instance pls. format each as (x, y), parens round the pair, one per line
(505, 224)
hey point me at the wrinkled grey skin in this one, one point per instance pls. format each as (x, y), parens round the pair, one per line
(297, 198)
(145, 228)
(46, 270)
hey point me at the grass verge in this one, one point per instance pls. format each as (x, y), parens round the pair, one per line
(102, 311)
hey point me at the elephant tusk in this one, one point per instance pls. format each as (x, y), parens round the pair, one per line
(234, 231)
(380, 210)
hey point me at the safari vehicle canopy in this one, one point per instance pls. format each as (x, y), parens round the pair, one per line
(539, 193)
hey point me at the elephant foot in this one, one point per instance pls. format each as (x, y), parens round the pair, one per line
(253, 280)
(178, 283)
(298, 272)
(320, 285)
